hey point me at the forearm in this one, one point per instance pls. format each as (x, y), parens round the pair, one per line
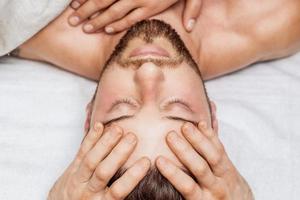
(66, 47)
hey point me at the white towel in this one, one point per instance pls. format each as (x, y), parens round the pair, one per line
(42, 112)
(20, 20)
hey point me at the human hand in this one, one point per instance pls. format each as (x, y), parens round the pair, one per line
(115, 16)
(204, 156)
(99, 158)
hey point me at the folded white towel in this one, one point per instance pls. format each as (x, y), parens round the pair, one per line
(20, 20)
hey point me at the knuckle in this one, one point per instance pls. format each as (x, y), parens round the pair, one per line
(92, 188)
(101, 174)
(119, 152)
(216, 160)
(129, 21)
(131, 175)
(97, 3)
(89, 163)
(201, 170)
(184, 149)
(108, 142)
(189, 188)
(116, 193)
(113, 12)
(80, 154)
(220, 149)
(172, 172)
(220, 190)
(210, 134)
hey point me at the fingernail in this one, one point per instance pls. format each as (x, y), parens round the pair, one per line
(74, 20)
(162, 161)
(172, 136)
(75, 4)
(188, 127)
(130, 138)
(191, 24)
(109, 29)
(88, 27)
(98, 126)
(115, 131)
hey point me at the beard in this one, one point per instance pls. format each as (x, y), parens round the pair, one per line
(148, 30)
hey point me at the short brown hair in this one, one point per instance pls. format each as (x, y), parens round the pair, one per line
(154, 186)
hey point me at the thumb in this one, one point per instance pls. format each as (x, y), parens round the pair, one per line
(190, 14)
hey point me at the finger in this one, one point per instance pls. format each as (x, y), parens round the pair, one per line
(88, 119)
(77, 3)
(179, 179)
(130, 179)
(217, 157)
(109, 166)
(139, 14)
(87, 10)
(94, 15)
(90, 140)
(129, 20)
(202, 145)
(191, 13)
(191, 159)
(215, 124)
(101, 149)
(111, 14)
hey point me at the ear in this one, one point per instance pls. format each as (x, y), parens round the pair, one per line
(87, 123)
(214, 119)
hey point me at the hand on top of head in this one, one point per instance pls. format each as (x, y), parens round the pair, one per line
(115, 16)
(212, 174)
(104, 151)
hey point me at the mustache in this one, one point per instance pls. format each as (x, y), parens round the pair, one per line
(160, 62)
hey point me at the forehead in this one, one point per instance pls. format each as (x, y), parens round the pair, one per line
(151, 136)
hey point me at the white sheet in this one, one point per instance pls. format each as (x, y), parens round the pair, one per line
(20, 20)
(42, 111)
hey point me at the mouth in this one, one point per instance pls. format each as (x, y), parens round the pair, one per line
(149, 50)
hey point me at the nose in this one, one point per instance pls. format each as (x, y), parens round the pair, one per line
(149, 78)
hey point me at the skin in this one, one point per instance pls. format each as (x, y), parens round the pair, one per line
(220, 33)
(149, 94)
(254, 30)
(116, 16)
(79, 182)
(163, 126)
(163, 130)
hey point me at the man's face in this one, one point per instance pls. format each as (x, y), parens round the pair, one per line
(150, 87)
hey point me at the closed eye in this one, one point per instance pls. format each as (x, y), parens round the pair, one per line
(167, 117)
(117, 119)
(182, 119)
